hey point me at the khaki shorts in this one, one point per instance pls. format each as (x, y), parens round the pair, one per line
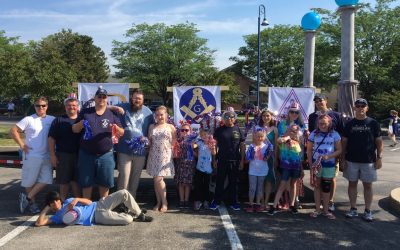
(36, 170)
(365, 172)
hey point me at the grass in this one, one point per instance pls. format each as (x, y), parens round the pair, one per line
(5, 139)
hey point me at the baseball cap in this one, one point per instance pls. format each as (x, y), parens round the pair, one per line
(101, 91)
(361, 101)
(229, 113)
(319, 97)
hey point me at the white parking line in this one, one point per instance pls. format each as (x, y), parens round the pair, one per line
(11, 235)
(229, 228)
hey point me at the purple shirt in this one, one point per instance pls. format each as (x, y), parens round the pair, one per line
(101, 142)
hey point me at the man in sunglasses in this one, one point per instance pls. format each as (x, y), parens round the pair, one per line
(230, 159)
(321, 106)
(36, 168)
(96, 159)
(362, 156)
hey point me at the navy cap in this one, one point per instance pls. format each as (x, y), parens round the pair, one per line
(101, 91)
(319, 97)
(361, 101)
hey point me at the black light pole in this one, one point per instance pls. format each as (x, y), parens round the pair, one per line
(261, 11)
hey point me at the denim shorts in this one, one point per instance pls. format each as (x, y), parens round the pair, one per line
(286, 174)
(96, 169)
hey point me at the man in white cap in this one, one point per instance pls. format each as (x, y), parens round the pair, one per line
(64, 147)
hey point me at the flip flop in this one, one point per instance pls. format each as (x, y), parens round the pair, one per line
(315, 214)
(329, 216)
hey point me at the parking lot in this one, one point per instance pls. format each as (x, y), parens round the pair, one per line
(224, 229)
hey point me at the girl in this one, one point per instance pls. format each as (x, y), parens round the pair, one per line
(159, 163)
(257, 154)
(205, 151)
(393, 121)
(184, 164)
(269, 125)
(323, 146)
(290, 155)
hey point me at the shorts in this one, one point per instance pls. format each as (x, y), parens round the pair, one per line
(327, 173)
(67, 168)
(354, 171)
(271, 175)
(36, 170)
(286, 174)
(96, 169)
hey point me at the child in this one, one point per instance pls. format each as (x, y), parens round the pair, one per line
(257, 154)
(184, 164)
(290, 157)
(204, 149)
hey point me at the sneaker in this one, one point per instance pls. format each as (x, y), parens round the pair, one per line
(235, 207)
(34, 208)
(186, 205)
(259, 208)
(206, 205)
(181, 205)
(331, 207)
(197, 205)
(367, 216)
(352, 213)
(271, 210)
(23, 202)
(143, 218)
(249, 209)
(294, 210)
(214, 206)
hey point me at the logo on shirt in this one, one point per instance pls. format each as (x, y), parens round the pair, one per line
(105, 123)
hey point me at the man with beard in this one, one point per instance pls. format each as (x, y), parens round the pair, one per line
(136, 119)
(63, 147)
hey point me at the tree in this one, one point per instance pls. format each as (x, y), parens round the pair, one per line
(160, 56)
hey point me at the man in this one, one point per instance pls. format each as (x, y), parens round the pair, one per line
(321, 105)
(64, 146)
(96, 159)
(10, 108)
(36, 168)
(90, 213)
(230, 159)
(362, 156)
(136, 120)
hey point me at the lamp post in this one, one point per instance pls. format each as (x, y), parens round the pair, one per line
(261, 11)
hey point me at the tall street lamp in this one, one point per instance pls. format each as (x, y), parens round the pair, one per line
(261, 11)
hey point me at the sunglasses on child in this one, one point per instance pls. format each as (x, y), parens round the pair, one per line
(294, 112)
(185, 130)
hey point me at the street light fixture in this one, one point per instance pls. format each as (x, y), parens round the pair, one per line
(261, 11)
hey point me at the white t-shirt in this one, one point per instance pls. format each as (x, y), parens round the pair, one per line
(257, 166)
(36, 130)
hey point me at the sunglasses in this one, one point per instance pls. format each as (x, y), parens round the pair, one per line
(361, 106)
(101, 96)
(229, 117)
(294, 112)
(40, 105)
(185, 130)
(318, 100)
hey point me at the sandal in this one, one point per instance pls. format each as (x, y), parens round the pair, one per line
(329, 216)
(315, 214)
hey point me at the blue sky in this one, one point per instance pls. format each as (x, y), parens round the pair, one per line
(222, 22)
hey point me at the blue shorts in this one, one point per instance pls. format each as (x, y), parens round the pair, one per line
(286, 174)
(96, 169)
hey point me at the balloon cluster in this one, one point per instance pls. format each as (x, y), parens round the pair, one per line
(138, 145)
(88, 130)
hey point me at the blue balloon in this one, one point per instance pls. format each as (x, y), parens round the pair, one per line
(311, 21)
(341, 3)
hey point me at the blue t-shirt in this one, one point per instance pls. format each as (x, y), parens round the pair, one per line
(325, 146)
(204, 157)
(136, 124)
(101, 142)
(86, 213)
(61, 131)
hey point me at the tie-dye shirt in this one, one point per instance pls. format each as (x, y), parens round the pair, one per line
(290, 155)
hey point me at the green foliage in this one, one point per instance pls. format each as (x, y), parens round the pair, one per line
(384, 102)
(160, 56)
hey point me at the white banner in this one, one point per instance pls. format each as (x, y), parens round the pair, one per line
(116, 92)
(279, 100)
(191, 101)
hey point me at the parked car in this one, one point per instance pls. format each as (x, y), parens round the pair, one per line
(3, 108)
(154, 104)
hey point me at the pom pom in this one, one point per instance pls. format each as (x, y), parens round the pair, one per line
(88, 130)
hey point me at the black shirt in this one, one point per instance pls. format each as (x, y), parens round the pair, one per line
(228, 142)
(337, 121)
(361, 135)
(61, 131)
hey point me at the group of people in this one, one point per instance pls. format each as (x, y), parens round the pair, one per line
(79, 145)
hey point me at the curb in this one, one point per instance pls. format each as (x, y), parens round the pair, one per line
(395, 199)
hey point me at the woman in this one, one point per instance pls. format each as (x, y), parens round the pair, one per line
(159, 163)
(323, 146)
(269, 125)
